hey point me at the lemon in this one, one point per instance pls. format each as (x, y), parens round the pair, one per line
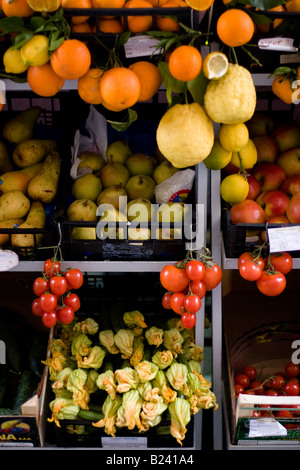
(36, 50)
(246, 157)
(215, 65)
(218, 157)
(232, 98)
(13, 62)
(185, 135)
(234, 188)
(233, 137)
(44, 5)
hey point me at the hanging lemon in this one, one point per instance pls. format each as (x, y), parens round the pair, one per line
(36, 50)
(215, 65)
(13, 62)
(234, 188)
(44, 5)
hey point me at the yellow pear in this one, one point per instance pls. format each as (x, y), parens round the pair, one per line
(36, 218)
(5, 161)
(21, 126)
(18, 179)
(14, 204)
(92, 160)
(8, 224)
(108, 226)
(82, 209)
(43, 187)
(31, 151)
(88, 186)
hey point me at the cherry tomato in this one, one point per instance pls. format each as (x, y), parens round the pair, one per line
(249, 392)
(243, 380)
(250, 271)
(48, 302)
(51, 267)
(36, 308)
(40, 285)
(58, 285)
(291, 389)
(291, 370)
(188, 320)
(198, 288)
(195, 270)
(272, 393)
(282, 262)
(74, 278)
(176, 302)
(72, 300)
(65, 314)
(212, 276)
(166, 301)
(238, 389)
(192, 303)
(283, 414)
(173, 279)
(251, 372)
(257, 386)
(256, 414)
(276, 382)
(248, 256)
(271, 284)
(49, 319)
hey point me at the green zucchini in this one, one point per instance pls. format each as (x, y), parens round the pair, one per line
(90, 415)
(26, 387)
(37, 354)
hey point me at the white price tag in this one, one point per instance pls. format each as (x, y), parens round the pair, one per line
(284, 238)
(139, 46)
(266, 427)
(124, 442)
(8, 260)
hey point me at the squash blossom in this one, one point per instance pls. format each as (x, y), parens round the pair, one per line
(61, 381)
(128, 414)
(180, 417)
(94, 360)
(138, 351)
(154, 336)
(177, 375)
(124, 341)
(63, 408)
(148, 392)
(173, 341)
(91, 381)
(81, 346)
(146, 370)
(192, 351)
(56, 364)
(151, 413)
(107, 339)
(87, 326)
(109, 409)
(75, 384)
(106, 381)
(163, 359)
(135, 320)
(127, 379)
(160, 381)
(58, 345)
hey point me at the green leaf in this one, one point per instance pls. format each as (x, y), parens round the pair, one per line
(263, 4)
(122, 126)
(172, 85)
(198, 87)
(123, 39)
(37, 22)
(14, 78)
(285, 71)
(12, 24)
(55, 43)
(20, 39)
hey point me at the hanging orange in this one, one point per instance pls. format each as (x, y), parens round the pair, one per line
(43, 80)
(17, 8)
(149, 76)
(185, 63)
(282, 88)
(71, 60)
(120, 88)
(235, 27)
(88, 86)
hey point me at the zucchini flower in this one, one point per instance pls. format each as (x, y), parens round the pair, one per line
(138, 351)
(91, 381)
(94, 360)
(107, 339)
(106, 381)
(124, 341)
(175, 322)
(60, 383)
(154, 336)
(58, 345)
(135, 321)
(146, 370)
(173, 341)
(160, 381)
(151, 413)
(56, 364)
(148, 392)
(87, 326)
(128, 414)
(66, 332)
(195, 366)
(163, 359)
(127, 379)
(109, 409)
(75, 384)
(191, 351)
(81, 346)
(62, 408)
(180, 417)
(177, 375)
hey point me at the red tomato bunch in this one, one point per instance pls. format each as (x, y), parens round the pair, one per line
(56, 301)
(269, 274)
(283, 383)
(186, 283)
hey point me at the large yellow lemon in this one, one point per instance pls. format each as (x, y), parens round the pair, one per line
(234, 188)
(233, 137)
(13, 62)
(246, 157)
(218, 157)
(36, 50)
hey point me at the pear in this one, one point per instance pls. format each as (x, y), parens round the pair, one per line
(137, 234)
(164, 171)
(21, 126)
(114, 174)
(107, 226)
(92, 160)
(171, 212)
(14, 204)
(114, 195)
(18, 179)
(8, 223)
(31, 151)
(5, 161)
(141, 164)
(140, 186)
(88, 186)
(118, 151)
(36, 218)
(43, 187)
(139, 210)
(82, 210)
(84, 233)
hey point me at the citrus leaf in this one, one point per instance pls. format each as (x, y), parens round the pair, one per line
(197, 88)
(12, 24)
(123, 39)
(282, 71)
(122, 126)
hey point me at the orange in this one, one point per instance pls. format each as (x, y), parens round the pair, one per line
(17, 8)
(110, 25)
(43, 80)
(265, 27)
(120, 88)
(44, 5)
(77, 4)
(150, 78)
(235, 27)
(185, 63)
(168, 23)
(108, 4)
(293, 5)
(200, 5)
(88, 86)
(138, 24)
(71, 60)
(84, 27)
(282, 88)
